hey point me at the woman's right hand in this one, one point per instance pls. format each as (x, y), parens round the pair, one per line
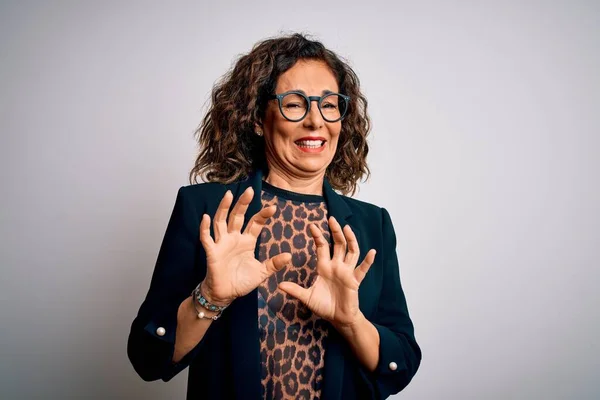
(232, 269)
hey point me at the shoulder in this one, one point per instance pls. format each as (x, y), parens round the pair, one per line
(360, 207)
(368, 213)
(205, 195)
(201, 190)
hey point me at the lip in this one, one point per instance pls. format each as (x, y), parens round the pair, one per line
(311, 149)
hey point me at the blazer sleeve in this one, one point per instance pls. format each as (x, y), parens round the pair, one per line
(149, 348)
(399, 353)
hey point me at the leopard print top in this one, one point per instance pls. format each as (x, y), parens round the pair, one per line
(291, 336)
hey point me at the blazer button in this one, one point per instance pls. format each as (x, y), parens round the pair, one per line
(393, 366)
(161, 331)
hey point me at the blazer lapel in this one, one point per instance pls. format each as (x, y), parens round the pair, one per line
(334, 359)
(336, 206)
(245, 346)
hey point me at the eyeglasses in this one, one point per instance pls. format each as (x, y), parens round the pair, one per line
(295, 106)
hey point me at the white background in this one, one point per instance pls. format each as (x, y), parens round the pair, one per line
(485, 122)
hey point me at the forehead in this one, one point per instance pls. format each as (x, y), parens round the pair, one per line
(311, 76)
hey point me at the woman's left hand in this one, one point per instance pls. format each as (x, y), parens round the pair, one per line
(334, 294)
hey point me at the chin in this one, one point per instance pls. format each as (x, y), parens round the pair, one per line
(311, 167)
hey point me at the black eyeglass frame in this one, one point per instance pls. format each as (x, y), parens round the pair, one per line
(309, 100)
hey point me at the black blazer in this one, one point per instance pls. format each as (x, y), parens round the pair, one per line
(226, 362)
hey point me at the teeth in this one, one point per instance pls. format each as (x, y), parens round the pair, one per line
(310, 143)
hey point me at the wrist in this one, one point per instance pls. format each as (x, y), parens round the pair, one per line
(350, 329)
(197, 308)
(207, 294)
(203, 307)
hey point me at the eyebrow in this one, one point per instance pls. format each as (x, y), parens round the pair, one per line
(323, 93)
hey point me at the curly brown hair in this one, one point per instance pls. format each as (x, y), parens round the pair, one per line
(229, 148)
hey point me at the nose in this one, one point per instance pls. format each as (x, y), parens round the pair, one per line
(313, 119)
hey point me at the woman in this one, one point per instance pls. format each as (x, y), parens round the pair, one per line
(268, 283)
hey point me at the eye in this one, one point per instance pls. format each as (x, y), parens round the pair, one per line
(293, 105)
(329, 105)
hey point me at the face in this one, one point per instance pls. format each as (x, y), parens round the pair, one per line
(302, 149)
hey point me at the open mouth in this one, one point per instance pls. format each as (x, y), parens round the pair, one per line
(310, 144)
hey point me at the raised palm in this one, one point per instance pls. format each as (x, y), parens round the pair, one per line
(334, 293)
(232, 269)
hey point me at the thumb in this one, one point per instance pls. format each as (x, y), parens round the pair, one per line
(277, 262)
(296, 291)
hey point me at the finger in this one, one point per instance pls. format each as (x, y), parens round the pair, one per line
(220, 220)
(320, 242)
(236, 217)
(258, 220)
(205, 238)
(339, 241)
(295, 290)
(353, 249)
(361, 271)
(277, 262)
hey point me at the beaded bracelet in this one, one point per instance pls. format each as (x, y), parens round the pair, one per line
(200, 313)
(198, 298)
(204, 303)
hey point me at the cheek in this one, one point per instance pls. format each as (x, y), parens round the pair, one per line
(335, 135)
(283, 133)
(282, 128)
(281, 137)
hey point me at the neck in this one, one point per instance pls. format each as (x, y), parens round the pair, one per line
(304, 185)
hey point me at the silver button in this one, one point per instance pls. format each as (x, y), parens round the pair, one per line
(393, 366)
(161, 331)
